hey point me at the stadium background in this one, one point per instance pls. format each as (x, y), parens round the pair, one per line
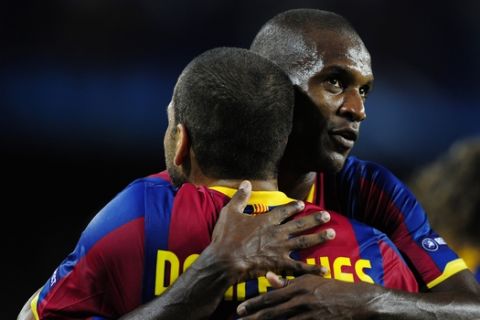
(84, 86)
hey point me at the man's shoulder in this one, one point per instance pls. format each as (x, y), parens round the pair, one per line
(200, 197)
(364, 172)
(160, 179)
(363, 233)
(158, 184)
(336, 219)
(162, 176)
(132, 203)
(354, 164)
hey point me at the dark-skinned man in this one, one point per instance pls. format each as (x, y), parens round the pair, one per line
(332, 79)
(331, 69)
(229, 120)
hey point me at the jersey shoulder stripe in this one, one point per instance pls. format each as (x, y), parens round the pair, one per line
(118, 220)
(159, 199)
(373, 195)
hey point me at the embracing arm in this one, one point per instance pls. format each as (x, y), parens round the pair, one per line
(26, 312)
(194, 295)
(313, 297)
(456, 298)
(385, 203)
(242, 247)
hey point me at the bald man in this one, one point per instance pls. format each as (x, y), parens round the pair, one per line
(331, 69)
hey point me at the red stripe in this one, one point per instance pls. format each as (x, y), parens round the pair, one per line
(396, 274)
(162, 175)
(344, 244)
(121, 253)
(193, 219)
(398, 231)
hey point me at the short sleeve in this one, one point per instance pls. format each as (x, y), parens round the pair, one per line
(373, 195)
(102, 277)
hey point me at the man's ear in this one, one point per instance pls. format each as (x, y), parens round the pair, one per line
(182, 149)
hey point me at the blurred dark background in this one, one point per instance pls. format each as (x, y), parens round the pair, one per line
(84, 86)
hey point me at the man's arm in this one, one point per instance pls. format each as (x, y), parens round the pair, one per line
(242, 247)
(313, 297)
(26, 312)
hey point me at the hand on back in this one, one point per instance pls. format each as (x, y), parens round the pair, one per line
(249, 246)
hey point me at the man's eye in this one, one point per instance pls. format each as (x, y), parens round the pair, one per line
(334, 82)
(364, 91)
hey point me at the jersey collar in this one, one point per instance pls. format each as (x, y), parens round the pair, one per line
(269, 198)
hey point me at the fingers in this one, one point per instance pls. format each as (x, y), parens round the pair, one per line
(310, 240)
(281, 213)
(299, 268)
(263, 301)
(270, 305)
(240, 198)
(275, 280)
(305, 223)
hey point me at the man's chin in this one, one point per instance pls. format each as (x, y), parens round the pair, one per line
(334, 162)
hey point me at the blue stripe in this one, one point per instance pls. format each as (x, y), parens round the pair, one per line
(127, 206)
(158, 204)
(414, 217)
(251, 289)
(367, 240)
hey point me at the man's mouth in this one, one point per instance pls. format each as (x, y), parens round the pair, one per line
(344, 137)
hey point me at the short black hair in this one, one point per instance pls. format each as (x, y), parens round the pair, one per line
(284, 39)
(238, 109)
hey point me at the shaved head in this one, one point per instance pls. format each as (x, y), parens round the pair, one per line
(330, 68)
(290, 39)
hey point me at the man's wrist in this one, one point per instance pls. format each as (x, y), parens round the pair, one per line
(218, 265)
(373, 306)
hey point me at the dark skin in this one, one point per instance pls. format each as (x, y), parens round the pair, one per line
(243, 247)
(330, 102)
(313, 297)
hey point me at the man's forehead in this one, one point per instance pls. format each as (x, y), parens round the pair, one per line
(342, 49)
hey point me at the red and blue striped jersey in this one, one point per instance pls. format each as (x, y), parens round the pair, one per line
(141, 242)
(369, 193)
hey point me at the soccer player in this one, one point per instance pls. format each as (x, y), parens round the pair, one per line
(331, 70)
(229, 120)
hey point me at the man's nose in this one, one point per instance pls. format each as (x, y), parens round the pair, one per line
(353, 107)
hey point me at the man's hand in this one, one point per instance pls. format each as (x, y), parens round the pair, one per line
(311, 297)
(314, 297)
(26, 312)
(249, 246)
(242, 247)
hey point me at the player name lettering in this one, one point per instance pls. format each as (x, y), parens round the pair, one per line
(169, 267)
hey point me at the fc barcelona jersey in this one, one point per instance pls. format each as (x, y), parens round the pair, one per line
(146, 237)
(371, 194)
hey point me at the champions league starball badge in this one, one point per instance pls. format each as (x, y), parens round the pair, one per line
(429, 244)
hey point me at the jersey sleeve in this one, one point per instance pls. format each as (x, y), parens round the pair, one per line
(373, 195)
(387, 264)
(102, 277)
(397, 274)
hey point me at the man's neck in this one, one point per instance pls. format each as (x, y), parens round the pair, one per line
(198, 178)
(293, 179)
(296, 185)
